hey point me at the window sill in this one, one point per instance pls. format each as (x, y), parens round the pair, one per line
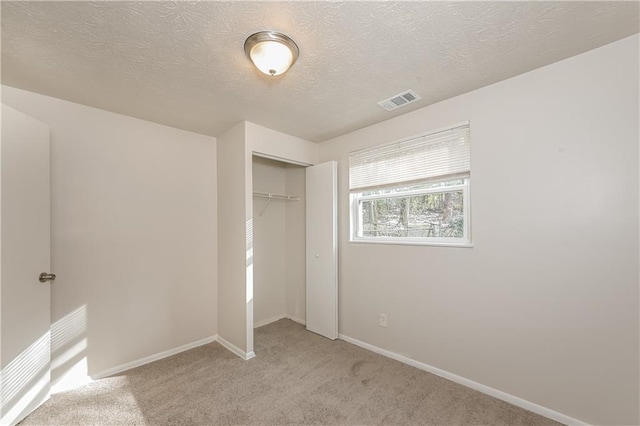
(413, 243)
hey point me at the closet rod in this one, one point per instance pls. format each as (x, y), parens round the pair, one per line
(272, 196)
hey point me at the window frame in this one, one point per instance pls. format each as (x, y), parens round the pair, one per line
(407, 173)
(356, 216)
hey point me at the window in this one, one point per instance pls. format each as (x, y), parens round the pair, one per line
(414, 191)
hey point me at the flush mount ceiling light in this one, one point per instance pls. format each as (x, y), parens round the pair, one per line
(271, 52)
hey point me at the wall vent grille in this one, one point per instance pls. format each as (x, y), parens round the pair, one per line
(401, 99)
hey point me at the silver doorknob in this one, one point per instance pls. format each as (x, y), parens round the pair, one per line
(44, 277)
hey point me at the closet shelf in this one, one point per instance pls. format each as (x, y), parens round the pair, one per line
(278, 197)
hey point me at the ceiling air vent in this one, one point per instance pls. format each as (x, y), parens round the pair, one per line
(399, 100)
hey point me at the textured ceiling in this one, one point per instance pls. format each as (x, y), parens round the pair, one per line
(182, 63)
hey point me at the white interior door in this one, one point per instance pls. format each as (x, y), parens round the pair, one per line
(25, 253)
(322, 249)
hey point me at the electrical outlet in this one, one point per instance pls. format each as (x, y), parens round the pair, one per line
(382, 319)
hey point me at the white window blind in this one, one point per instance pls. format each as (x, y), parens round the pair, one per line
(445, 154)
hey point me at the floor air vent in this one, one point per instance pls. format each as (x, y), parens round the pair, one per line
(399, 100)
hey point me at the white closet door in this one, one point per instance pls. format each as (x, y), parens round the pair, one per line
(322, 249)
(25, 307)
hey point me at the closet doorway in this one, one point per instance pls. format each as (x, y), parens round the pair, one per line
(294, 264)
(279, 282)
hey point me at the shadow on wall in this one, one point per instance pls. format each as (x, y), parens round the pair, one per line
(69, 351)
(24, 380)
(58, 356)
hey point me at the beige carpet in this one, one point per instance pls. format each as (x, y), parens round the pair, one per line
(297, 378)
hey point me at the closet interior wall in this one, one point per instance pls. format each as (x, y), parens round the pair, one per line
(278, 243)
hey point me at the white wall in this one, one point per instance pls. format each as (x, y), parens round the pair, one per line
(269, 242)
(264, 141)
(133, 233)
(235, 259)
(545, 305)
(295, 278)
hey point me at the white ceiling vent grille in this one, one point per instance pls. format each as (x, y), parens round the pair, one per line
(399, 100)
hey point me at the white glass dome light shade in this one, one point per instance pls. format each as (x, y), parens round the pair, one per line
(271, 52)
(271, 57)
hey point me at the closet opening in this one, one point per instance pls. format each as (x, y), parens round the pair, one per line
(279, 245)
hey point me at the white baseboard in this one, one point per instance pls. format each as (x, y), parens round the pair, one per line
(236, 350)
(278, 318)
(151, 358)
(268, 321)
(295, 319)
(511, 399)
